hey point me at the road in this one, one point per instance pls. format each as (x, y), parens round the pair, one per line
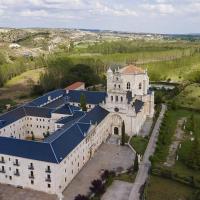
(145, 164)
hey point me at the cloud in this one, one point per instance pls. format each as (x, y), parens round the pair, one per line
(34, 13)
(110, 14)
(161, 8)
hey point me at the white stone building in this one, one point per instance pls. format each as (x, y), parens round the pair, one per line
(45, 143)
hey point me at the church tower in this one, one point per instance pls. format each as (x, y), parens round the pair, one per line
(116, 97)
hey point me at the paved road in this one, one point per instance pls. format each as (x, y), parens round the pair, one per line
(145, 164)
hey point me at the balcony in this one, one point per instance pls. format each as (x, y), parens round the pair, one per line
(16, 164)
(2, 171)
(48, 179)
(31, 167)
(48, 170)
(31, 176)
(16, 174)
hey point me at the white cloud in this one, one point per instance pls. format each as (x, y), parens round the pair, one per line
(161, 8)
(34, 13)
(1, 12)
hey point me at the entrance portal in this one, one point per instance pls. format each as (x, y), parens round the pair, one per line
(116, 131)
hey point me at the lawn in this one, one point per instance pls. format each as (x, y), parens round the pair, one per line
(139, 144)
(24, 77)
(164, 189)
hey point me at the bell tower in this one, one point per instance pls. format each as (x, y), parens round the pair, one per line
(116, 100)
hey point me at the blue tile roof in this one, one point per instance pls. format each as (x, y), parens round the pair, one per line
(44, 99)
(27, 149)
(57, 146)
(67, 109)
(96, 115)
(38, 111)
(138, 105)
(91, 97)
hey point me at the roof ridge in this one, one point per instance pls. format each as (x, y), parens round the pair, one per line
(80, 129)
(54, 153)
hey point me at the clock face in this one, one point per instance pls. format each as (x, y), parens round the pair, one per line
(116, 109)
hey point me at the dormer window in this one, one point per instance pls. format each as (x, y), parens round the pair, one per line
(128, 86)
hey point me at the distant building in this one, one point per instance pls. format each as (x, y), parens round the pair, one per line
(76, 86)
(64, 137)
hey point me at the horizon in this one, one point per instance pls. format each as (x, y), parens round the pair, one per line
(103, 30)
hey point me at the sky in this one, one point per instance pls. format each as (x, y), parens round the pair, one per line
(152, 16)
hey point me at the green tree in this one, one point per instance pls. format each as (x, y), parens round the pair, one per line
(136, 163)
(123, 138)
(83, 102)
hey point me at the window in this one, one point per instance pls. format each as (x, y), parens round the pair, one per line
(115, 85)
(32, 182)
(119, 86)
(2, 160)
(128, 86)
(2, 169)
(140, 86)
(48, 170)
(16, 172)
(111, 98)
(121, 99)
(116, 98)
(49, 185)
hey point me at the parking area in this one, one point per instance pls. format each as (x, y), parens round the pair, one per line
(108, 157)
(8, 192)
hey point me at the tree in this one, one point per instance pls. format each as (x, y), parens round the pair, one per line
(123, 138)
(97, 187)
(81, 197)
(83, 102)
(136, 164)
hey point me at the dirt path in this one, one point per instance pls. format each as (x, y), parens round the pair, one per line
(178, 137)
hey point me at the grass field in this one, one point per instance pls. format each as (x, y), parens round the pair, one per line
(162, 151)
(164, 189)
(139, 144)
(19, 86)
(189, 97)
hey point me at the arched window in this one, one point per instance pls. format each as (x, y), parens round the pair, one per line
(116, 98)
(111, 98)
(128, 86)
(140, 86)
(121, 99)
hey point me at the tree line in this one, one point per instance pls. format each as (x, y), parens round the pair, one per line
(62, 71)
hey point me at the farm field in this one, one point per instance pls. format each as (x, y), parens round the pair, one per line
(190, 96)
(164, 189)
(18, 88)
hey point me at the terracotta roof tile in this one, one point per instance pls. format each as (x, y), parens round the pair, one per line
(74, 86)
(132, 69)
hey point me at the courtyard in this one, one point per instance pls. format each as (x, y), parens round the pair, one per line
(108, 157)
